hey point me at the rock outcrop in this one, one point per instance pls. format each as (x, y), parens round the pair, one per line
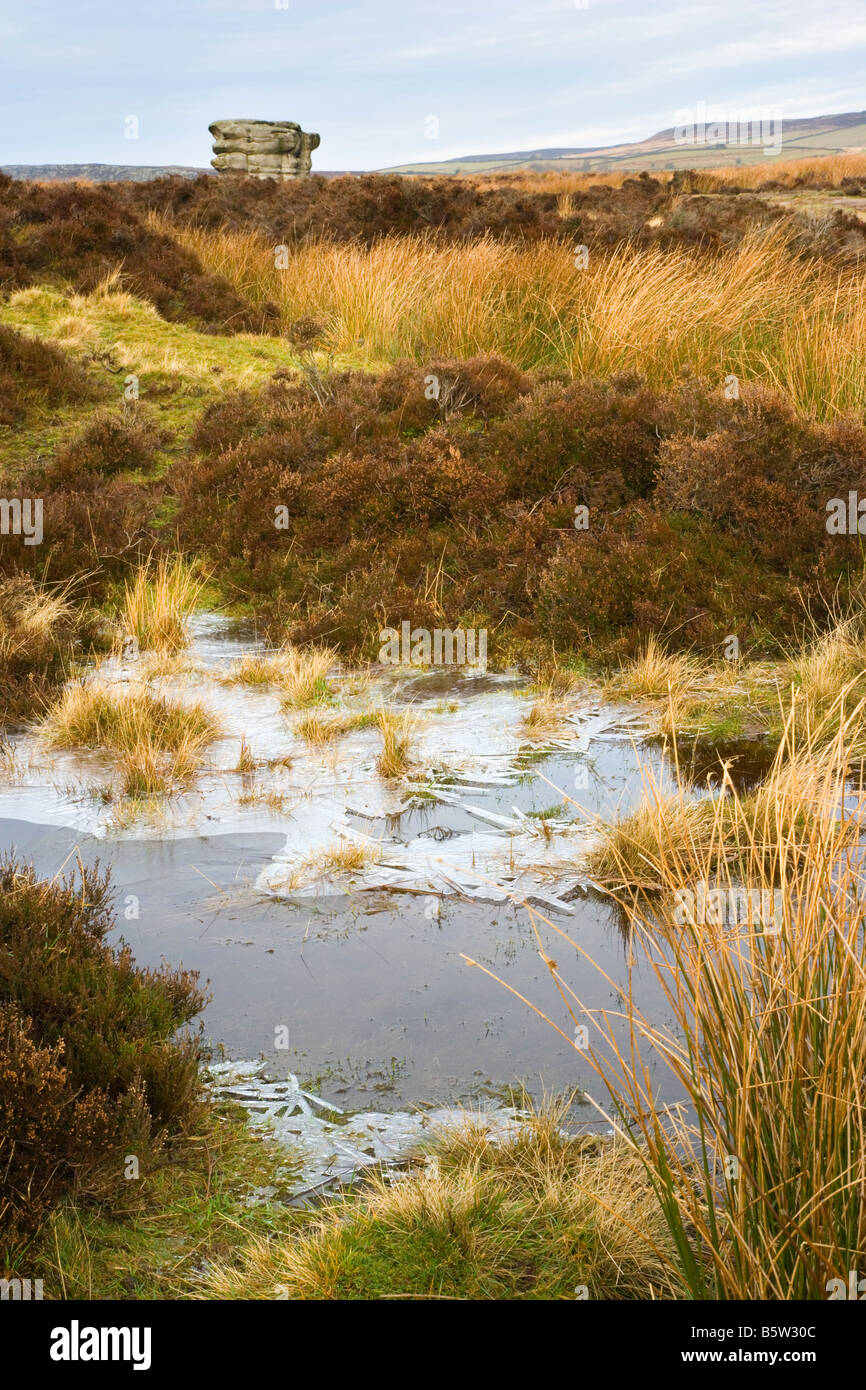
(262, 149)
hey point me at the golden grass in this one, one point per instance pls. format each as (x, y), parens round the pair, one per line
(756, 311)
(834, 661)
(158, 743)
(273, 801)
(300, 673)
(246, 762)
(769, 1045)
(542, 1216)
(156, 605)
(318, 730)
(631, 847)
(343, 858)
(560, 681)
(255, 669)
(546, 714)
(559, 181)
(808, 172)
(149, 771)
(397, 732)
(760, 1173)
(732, 698)
(347, 857)
(811, 171)
(670, 679)
(654, 673)
(303, 680)
(38, 612)
(676, 827)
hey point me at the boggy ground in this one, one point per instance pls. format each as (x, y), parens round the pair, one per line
(324, 464)
(577, 515)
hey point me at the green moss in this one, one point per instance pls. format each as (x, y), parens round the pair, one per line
(179, 370)
(549, 812)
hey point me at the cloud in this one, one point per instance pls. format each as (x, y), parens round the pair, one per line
(499, 74)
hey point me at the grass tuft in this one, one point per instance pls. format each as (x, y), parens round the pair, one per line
(158, 743)
(397, 732)
(157, 603)
(761, 1173)
(300, 673)
(544, 1216)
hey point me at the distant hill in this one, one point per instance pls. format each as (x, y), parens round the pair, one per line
(100, 173)
(121, 173)
(805, 137)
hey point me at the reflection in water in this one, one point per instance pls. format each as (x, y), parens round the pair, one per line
(702, 762)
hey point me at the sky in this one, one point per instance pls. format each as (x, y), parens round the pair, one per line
(387, 82)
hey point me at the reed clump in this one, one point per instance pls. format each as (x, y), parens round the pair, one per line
(157, 604)
(760, 1171)
(158, 743)
(657, 310)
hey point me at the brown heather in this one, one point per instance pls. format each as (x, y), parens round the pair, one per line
(91, 1064)
(74, 233)
(706, 515)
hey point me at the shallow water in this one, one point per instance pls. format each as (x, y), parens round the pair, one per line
(367, 974)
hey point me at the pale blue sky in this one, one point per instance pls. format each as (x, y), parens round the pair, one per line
(497, 74)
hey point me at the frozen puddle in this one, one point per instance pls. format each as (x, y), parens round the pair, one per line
(324, 1146)
(460, 822)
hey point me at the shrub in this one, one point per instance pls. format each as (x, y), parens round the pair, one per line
(765, 475)
(110, 443)
(36, 373)
(395, 512)
(598, 439)
(643, 211)
(93, 530)
(51, 1138)
(91, 1063)
(72, 233)
(349, 208)
(646, 572)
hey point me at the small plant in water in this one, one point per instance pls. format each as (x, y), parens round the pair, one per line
(156, 605)
(397, 731)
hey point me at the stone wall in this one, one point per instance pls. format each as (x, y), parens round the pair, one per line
(262, 149)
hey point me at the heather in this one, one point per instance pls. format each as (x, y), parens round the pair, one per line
(71, 233)
(93, 1069)
(703, 516)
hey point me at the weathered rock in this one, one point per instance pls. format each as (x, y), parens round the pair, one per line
(262, 149)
